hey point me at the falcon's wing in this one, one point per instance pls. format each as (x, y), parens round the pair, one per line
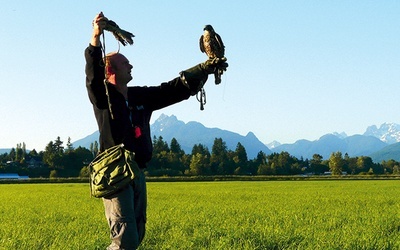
(201, 43)
(221, 44)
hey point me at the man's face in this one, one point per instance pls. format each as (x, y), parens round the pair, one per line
(122, 69)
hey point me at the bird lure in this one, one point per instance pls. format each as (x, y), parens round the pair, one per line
(123, 36)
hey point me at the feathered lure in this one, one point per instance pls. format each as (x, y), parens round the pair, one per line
(121, 35)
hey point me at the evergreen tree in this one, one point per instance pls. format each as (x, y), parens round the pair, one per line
(219, 158)
(19, 153)
(58, 146)
(175, 147)
(254, 165)
(11, 155)
(175, 157)
(94, 148)
(69, 146)
(159, 145)
(240, 159)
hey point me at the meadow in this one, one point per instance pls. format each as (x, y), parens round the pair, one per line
(327, 214)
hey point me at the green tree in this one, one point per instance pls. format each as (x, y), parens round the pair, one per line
(336, 163)
(316, 165)
(94, 148)
(200, 148)
(33, 153)
(219, 158)
(159, 145)
(283, 163)
(69, 145)
(53, 153)
(58, 146)
(198, 165)
(254, 164)
(240, 159)
(11, 155)
(53, 174)
(175, 147)
(364, 164)
(176, 161)
(160, 162)
(351, 165)
(396, 170)
(74, 160)
(20, 152)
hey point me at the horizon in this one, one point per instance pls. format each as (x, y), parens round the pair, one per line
(266, 144)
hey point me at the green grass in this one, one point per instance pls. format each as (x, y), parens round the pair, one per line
(340, 214)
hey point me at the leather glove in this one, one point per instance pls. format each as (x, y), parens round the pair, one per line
(212, 65)
(195, 77)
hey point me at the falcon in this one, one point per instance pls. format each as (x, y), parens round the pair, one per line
(211, 44)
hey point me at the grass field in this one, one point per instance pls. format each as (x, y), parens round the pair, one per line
(340, 214)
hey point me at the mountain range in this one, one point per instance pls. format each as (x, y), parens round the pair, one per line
(191, 133)
(381, 143)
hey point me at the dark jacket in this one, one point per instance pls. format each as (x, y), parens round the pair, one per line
(131, 123)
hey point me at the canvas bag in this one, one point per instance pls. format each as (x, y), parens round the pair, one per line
(112, 170)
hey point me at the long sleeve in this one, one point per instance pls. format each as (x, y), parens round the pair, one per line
(157, 97)
(95, 77)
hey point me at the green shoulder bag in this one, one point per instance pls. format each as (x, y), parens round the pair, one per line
(112, 170)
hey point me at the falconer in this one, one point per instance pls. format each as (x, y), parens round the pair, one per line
(126, 120)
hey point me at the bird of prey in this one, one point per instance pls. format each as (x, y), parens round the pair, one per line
(211, 44)
(121, 35)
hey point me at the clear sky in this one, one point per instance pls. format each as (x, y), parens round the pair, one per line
(298, 69)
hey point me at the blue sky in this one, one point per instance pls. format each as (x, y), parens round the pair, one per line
(298, 69)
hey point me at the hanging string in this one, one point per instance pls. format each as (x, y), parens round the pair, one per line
(106, 64)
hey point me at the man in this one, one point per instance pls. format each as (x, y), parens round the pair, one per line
(123, 117)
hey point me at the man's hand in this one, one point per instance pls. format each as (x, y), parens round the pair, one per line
(99, 22)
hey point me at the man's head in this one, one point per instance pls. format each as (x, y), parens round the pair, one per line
(118, 69)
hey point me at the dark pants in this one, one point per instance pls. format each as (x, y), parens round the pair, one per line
(126, 215)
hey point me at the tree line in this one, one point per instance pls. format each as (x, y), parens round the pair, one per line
(169, 159)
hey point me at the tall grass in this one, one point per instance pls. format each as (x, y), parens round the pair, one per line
(212, 215)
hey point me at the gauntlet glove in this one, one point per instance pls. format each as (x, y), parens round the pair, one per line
(194, 78)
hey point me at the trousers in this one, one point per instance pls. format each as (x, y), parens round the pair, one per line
(126, 215)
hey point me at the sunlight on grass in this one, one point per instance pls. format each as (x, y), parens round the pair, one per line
(212, 215)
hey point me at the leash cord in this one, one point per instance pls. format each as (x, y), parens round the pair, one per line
(103, 47)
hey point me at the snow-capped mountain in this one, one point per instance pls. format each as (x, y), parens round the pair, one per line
(387, 132)
(273, 144)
